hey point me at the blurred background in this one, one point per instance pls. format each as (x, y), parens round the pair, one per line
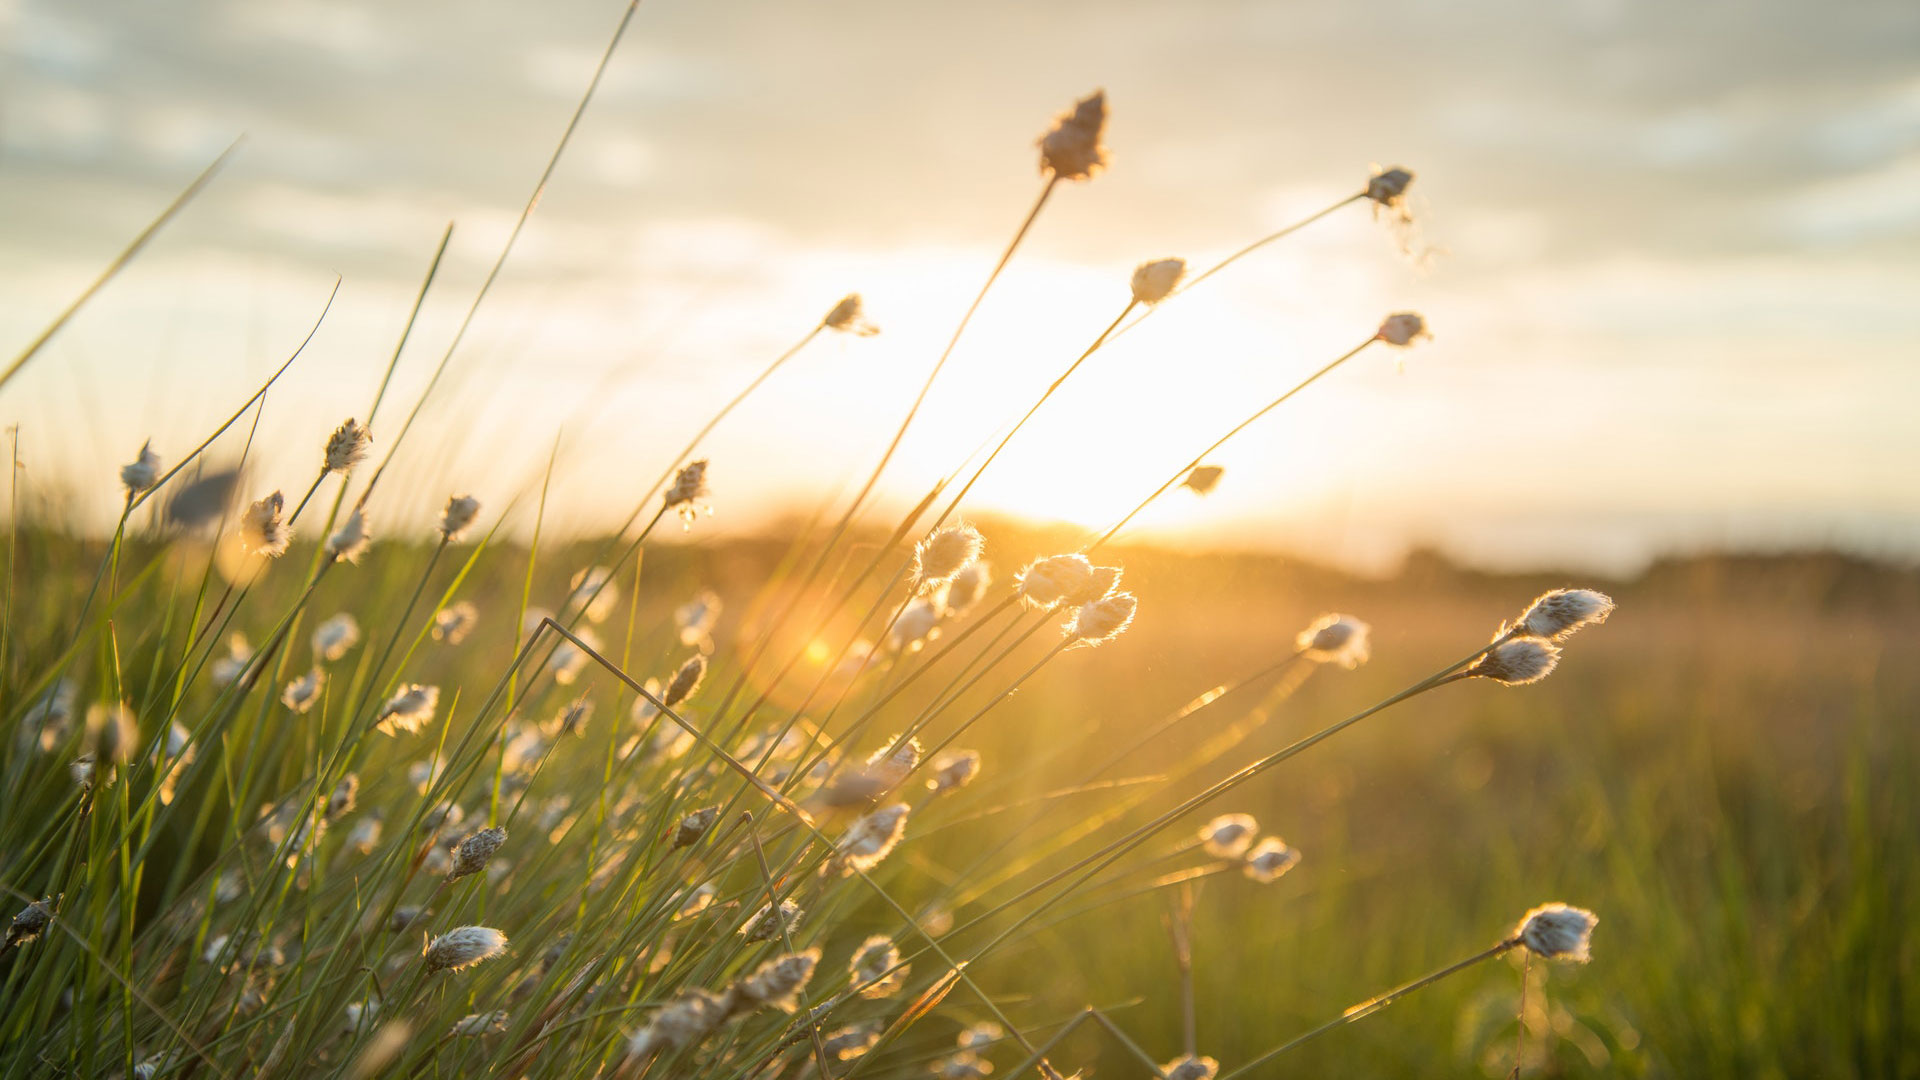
(1667, 251)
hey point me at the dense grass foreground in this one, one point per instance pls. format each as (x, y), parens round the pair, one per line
(1723, 772)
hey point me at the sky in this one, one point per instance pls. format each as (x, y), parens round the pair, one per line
(1670, 255)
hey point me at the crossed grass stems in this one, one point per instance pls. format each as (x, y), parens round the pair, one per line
(76, 839)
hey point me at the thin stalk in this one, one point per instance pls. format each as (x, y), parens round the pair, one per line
(1375, 1004)
(1201, 457)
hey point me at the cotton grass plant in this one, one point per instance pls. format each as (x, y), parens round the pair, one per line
(335, 810)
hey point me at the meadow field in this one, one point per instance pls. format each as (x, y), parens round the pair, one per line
(326, 770)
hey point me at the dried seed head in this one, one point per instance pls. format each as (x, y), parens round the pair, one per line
(967, 587)
(32, 920)
(458, 516)
(1336, 639)
(593, 593)
(684, 1021)
(464, 946)
(1203, 479)
(954, 769)
(1517, 662)
(980, 1036)
(261, 530)
(112, 733)
(767, 925)
(1403, 329)
(474, 1025)
(696, 618)
(1269, 859)
(685, 680)
(1054, 579)
(849, 316)
(404, 917)
(891, 764)
(143, 472)
(697, 901)
(203, 501)
(1102, 620)
(350, 540)
(1071, 149)
(1190, 1068)
(850, 1042)
(968, 1066)
(454, 622)
(871, 838)
(471, 854)
(301, 693)
(348, 446)
(227, 668)
(876, 969)
(917, 624)
(1558, 614)
(1558, 932)
(1229, 835)
(332, 639)
(345, 794)
(945, 553)
(1388, 188)
(409, 709)
(778, 982)
(689, 491)
(1155, 281)
(694, 826)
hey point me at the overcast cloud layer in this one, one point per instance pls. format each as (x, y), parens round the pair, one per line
(1674, 295)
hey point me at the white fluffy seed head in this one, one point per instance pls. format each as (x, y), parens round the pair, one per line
(967, 587)
(1269, 859)
(348, 445)
(454, 622)
(143, 472)
(332, 638)
(945, 553)
(593, 593)
(1403, 329)
(1336, 639)
(685, 680)
(1558, 614)
(778, 982)
(409, 709)
(112, 733)
(694, 826)
(345, 794)
(1517, 662)
(463, 947)
(351, 539)
(767, 925)
(474, 1025)
(872, 838)
(301, 693)
(1055, 579)
(225, 669)
(891, 764)
(917, 623)
(470, 855)
(1558, 932)
(1071, 149)
(458, 515)
(695, 619)
(261, 530)
(689, 491)
(849, 316)
(1155, 281)
(875, 967)
(1190, 1068)
(1228, 835)
(954, 770)
(1102, 620)
(684, 1021)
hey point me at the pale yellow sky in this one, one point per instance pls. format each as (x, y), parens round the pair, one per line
(1674, 305)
